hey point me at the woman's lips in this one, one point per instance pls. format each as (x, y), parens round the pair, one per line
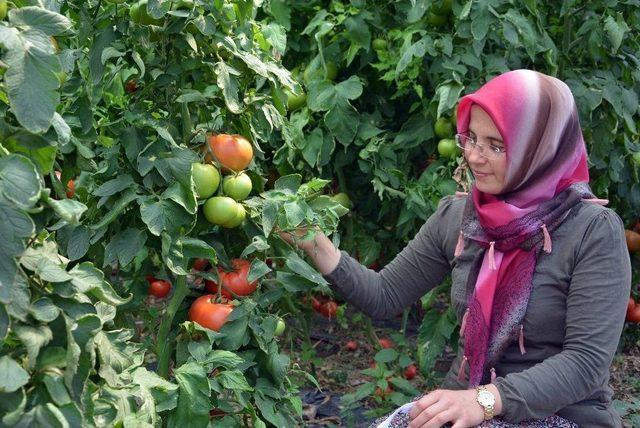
(480, 174)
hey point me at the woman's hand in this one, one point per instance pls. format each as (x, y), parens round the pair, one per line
(320, 249)
(442, 406)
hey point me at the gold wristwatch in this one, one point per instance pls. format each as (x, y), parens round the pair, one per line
(486, 400)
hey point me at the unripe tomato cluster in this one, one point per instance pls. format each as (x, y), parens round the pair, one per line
(234, 153)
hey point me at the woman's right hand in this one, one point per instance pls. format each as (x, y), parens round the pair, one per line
(320, 249)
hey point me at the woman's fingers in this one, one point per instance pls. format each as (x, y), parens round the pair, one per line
(434, 417)
(424, 402)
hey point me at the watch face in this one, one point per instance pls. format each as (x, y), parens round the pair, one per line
(486, 398)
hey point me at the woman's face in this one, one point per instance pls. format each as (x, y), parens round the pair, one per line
(489, 173)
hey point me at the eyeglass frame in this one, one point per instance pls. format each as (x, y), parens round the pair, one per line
(493, 155)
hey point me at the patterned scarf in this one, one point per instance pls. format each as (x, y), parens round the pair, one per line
(546, 176)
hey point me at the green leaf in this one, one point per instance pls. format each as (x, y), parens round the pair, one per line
(31, 80)
(37, 18)
(278, 364)
(5, 322)
(124, 246)
(322, 96)
(12, 375)
(12, 406)
(195, 248)
(302, 268)
(117, 209)
(44, 310)
(257, 270)
(164, 393)
(173, 255)
(615, 30)
(33, 338)
(386, 355)
(117, 185)
(229, 84)
(294, 283)
(448, 95)
(193, 399)
(68, 210)
(295, 212)
(182, 196)
(269, 216)
(38, 149)
(79, 242)
(15, 227)
(343, 121)
(222, 358)
(50, 271)
(116, 354)
(289, 182)
(233, 379)
(56, 388)
(88, 279)
(19, 181)
(164, 215)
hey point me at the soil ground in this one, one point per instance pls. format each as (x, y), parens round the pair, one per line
(339, 373)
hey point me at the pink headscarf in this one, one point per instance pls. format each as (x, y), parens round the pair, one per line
(546, 175)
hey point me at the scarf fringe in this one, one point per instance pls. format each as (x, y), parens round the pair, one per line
(463, 325)
(463, 364)
(492, 256)
(493, 374)
(521, 340)
(459, 245)
(547, 239)
(602, 202)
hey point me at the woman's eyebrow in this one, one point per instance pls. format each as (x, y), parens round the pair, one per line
(495, 139)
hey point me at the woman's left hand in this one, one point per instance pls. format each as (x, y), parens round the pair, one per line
(442, 406)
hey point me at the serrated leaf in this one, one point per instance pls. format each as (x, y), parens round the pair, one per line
(386, 355)
(343, 121)
(44, 310)
(164, 215)
(116, 185)
(302, 268)
(234, 380)
(79, 242)
(31, 80)
(193, 399)
(124, 246)
(87, 279)
(229, 84)
(38, 18)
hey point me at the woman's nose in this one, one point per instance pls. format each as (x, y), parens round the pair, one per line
(474, 156)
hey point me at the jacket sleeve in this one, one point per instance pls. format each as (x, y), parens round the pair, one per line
(419, 267)
(596, 304)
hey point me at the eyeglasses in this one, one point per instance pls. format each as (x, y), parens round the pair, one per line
(468, 144)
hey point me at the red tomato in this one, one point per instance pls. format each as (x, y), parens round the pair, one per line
(71, 189)
(634, 315)
(351, 346)
(149, 278)
(131, 86)
(159, 288)
(209, 314)
(631, 304)
(200, 264)
(329, 309)
(235, 281)
(410, 372)
(386, 343)
(381, 394)
(315, 304)
(232, 151)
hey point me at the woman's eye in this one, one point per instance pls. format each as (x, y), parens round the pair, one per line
(497, 149)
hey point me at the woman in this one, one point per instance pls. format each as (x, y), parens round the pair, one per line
(540, 270)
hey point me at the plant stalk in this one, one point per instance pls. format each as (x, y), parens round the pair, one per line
(164, 346)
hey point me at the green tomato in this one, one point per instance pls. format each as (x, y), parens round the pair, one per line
(343, 199)
(3, 9)
(237, 186)
(206, 178)
(447, 148)
(238, 219)
(443, 128)
(443, 7)
(311, 74)
(280, 326)
(139, 14)
(437, 20)
(379, 44)
(220, 210)
(295, 101)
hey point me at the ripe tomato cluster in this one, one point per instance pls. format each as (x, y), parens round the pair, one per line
(324, 306)
(234, 153)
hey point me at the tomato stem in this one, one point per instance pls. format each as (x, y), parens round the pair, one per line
(164, 346)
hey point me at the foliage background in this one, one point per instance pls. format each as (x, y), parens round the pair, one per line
(228, 66)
